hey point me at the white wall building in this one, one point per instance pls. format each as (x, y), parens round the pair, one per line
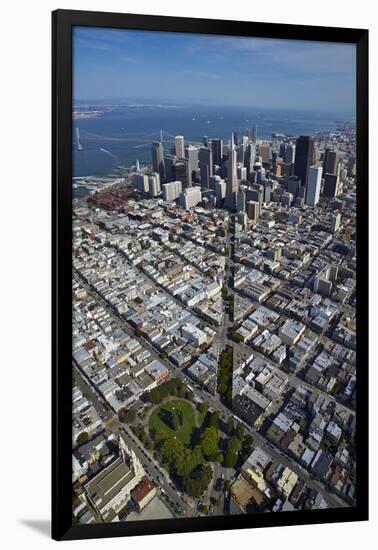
(313, 185)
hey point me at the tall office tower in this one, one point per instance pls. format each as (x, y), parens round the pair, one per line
(260, 175)
(183, 173)
(158, 159)
(313, 185)
(285, 169)
(267, 186)
(293, 183)
(220, 190)
(192, 156)
(217, 150)
(249, 157)
(286, 199)
(351, 170)
(190, 197)
(331, 159)
(240, 199)
(304, 157)
(253, 211)
(335, 223)
(180, 146)
(212, 181)
(331, 184)
(137, 166)
(154, 185)
(252, 177)
(172, 190)
(169, 167)
(235, 139)
(205, 141)
(254, 135)
(256, 194)
(241, 172)
(283, 150)
(240, 153)
(290, 153)
(141, 182)
(205, 165)
(232, 178)
(265, 152)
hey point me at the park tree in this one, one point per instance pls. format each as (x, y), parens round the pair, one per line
(197, 482)
(230, 460)
(189, 460)
(171, 452)
(230, 426)
(82, 438)
(203, 408)
(239, 430)
(129, 416)
(210, 443)
(214, 420)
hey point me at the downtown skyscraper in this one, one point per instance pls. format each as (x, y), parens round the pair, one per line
(158, 159)
(232, 178)
(304, 157)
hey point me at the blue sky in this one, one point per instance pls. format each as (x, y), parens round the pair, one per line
(195, 69)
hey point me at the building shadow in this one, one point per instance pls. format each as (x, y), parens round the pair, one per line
(42, 526)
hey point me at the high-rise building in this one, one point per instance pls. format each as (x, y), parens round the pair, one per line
(172, 190)
(217, 150)
(313, 185)
(267, 187)
(240, 199)
(191, 154)
(331, 159)
(141, 182)
(158, 159)
(286, 199)
(205, 165)
(256, 194)
(253, 211)
(180, 146)
(254, 135)
(304, 157)
(182, 172)
(335, 223)
(154, 188)
(351, 171)
(240, 152)
(331, 184)
(232, 178)
(265, 152)
(212, 181)
(290, 153)
(293, 183)
(241, 172)
(169, 167)
(249, 157)
(220, 190)
(190, 197)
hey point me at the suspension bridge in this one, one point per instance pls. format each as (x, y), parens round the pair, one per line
(138, 141)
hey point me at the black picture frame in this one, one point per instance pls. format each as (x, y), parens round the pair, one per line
(62, 23)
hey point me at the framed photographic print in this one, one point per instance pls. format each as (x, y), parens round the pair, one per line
(210, 327)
